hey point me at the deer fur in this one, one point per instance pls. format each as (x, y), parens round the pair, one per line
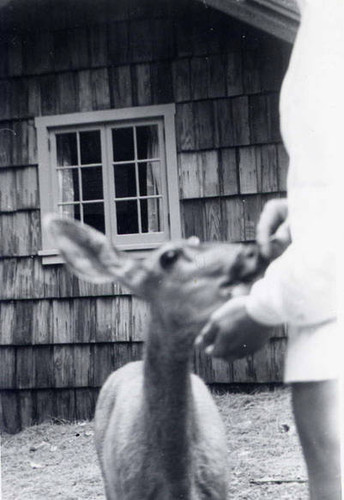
(158, 433)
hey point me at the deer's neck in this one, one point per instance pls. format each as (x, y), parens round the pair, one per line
(168, 402)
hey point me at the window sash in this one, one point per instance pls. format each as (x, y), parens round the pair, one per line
(141, 237)
(110, 200)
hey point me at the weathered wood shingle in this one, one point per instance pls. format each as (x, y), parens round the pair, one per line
(60, 336)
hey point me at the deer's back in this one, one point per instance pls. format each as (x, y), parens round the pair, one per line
(130, 462)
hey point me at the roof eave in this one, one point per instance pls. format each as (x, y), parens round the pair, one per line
(275, 17)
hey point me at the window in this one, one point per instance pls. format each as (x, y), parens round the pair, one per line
(114, 170)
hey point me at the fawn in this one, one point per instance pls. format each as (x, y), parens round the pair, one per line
(158, 432)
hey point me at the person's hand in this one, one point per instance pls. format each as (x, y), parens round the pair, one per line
(231, 333)
(273, 233)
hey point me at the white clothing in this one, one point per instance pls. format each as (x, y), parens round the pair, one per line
(313, 353)
(299, 288)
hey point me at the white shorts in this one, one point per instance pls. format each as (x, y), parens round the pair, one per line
(313, 354)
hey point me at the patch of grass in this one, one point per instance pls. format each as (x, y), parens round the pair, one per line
(263, 448)
(51, 461)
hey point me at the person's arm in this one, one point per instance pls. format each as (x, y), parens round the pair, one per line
(298, 288)
(231, 333)
(295, 289)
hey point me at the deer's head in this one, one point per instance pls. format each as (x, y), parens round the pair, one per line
(185, 280)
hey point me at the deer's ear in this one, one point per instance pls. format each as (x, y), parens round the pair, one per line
(90, 255)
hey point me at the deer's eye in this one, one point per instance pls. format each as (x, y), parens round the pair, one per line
(168, 258)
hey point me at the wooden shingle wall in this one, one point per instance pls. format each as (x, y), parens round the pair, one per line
(60, 337)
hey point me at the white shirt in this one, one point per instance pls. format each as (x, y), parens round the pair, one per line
(300, 286)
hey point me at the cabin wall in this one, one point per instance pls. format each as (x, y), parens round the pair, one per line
(60, 337)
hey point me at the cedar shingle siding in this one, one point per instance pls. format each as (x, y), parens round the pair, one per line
(60, 337)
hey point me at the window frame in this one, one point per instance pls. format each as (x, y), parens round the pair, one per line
(48, 125)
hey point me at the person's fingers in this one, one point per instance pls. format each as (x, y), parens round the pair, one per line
(219, 346)
(209, 350)
(216, 350)
(283, 232)
(279, 241)
(273, 216)
(219, 351)
(207, 335)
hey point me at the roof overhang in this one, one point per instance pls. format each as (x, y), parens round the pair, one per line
(277, 17)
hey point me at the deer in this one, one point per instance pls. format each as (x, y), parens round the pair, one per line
(158, 432)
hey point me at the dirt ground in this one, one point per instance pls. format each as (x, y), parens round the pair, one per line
(58, 461)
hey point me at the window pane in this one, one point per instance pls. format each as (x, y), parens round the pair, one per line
(72, 211)
(125, 180)
(94, 215)
(68, 184)
(127, 217)
(90, 149)
(92, 183)
(66, 149)
(151, 215)
(150, 178)
(123, 144)
(147, 142)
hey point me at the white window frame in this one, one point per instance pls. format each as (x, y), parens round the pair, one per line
(46, 167)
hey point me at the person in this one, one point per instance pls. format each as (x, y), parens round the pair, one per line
(299, 287)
